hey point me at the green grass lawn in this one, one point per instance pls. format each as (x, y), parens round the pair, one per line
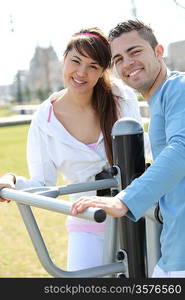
(5, 111)
(17, 255)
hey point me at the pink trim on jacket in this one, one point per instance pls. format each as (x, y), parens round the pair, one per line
(49, 114)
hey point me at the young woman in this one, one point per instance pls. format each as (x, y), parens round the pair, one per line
(71, 134)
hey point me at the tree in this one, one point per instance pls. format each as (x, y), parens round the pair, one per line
(178, 3)
(134, 9)
(19, 87)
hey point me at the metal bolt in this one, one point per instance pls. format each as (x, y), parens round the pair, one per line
(113, 171)
(121, 275)
(120, 255)
(114, 192)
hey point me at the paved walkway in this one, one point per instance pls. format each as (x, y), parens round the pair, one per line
(15, 120)
(26, 118)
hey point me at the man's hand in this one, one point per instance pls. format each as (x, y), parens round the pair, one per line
(112, 205)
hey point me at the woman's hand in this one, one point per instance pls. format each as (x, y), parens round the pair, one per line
(111, 205)
(7, 181)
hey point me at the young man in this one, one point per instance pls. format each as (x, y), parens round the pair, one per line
(138, 59)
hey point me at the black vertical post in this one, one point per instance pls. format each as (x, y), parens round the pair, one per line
(128, 155)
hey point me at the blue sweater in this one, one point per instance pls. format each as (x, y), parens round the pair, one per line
(164, 180)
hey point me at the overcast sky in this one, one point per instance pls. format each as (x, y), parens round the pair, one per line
(24, 24)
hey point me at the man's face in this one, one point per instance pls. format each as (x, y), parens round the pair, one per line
(137, 64)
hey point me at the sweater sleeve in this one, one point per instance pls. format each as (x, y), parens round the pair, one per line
(41, 168)
(166, 175)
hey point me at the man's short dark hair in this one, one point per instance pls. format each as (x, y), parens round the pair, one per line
(143, 30)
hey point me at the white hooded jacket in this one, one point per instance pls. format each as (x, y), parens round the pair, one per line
(51, 150)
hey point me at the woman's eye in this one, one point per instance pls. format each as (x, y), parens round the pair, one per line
(75, 61)
(93, 67)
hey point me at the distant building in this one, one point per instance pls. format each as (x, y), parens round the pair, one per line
(43, 77)
(45, 73)
(175, 59)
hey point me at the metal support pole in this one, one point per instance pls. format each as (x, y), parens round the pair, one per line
(39, 197)
(128, 155)
(45, 259)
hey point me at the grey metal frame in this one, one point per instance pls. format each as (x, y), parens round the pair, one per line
(36, 197)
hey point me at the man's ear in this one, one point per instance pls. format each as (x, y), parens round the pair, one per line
(159, 51)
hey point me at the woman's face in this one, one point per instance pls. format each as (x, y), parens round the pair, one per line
(81, 73)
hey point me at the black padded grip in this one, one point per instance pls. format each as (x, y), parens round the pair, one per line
(100, 216)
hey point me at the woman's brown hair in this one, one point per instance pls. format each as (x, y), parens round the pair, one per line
(96, 46)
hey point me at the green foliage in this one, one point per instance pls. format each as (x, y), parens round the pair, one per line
(140, 97)
(42, 94)
(145, 125)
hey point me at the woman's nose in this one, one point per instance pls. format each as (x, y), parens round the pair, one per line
(82, 71)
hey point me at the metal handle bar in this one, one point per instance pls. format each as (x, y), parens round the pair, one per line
(92, 214)
(74, 188)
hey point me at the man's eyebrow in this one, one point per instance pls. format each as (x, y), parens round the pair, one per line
(128, 50)
(133, 47)
(115, 56)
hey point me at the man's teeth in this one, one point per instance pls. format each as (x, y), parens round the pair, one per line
(134, 73)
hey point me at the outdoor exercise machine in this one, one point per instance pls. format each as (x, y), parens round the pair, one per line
(131, 249)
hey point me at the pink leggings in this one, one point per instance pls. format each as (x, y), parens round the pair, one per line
(85, 250)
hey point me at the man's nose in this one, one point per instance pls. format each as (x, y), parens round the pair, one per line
(128, 61)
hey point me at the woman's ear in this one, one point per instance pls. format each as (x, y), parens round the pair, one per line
(102, 74)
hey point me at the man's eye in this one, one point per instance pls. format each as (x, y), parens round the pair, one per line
(118, 60)
(136, 52)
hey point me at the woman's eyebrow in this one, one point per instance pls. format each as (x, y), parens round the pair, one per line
(93, 62)
(75, 56)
